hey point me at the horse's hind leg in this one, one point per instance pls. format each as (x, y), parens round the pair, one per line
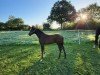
(64, 51)
(60, 48)
(42, 51)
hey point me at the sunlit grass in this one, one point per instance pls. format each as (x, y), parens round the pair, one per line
(91, 37)
(17, 58)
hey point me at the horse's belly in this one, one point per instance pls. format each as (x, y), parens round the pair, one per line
(49, 41)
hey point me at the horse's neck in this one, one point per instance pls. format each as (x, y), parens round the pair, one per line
(39, 34)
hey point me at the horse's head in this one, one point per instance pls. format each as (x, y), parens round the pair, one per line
(32, 30)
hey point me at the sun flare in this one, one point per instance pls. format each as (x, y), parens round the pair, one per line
(55, 25)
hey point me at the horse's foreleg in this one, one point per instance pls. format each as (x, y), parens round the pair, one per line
(99, 44)
(42, 51)
(59, 46)
(59, 53)
(96, 41)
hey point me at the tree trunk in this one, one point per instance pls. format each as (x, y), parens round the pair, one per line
(61, 26)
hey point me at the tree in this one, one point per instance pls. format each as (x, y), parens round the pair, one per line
(93, 13)
(18, 21)
(14, 23)
(11, 17)
(2, 26)
(62, 11)
(46, 26)
(9, 23)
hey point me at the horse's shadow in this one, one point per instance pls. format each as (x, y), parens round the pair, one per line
(48, 66)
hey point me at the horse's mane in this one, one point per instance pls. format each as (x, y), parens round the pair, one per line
(40, 31)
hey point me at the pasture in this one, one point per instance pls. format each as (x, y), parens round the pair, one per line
(20, 54)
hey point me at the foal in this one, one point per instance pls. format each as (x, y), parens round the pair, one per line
(48, 39)
(97, 37)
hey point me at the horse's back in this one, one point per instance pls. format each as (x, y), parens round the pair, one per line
(58, 38)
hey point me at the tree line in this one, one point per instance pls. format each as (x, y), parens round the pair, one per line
(13, 23)
(65, 14)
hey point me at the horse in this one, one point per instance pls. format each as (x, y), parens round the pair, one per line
(45, 39)
(97, 41)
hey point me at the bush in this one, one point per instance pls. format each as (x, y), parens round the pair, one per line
(46, 26)
(69, 25)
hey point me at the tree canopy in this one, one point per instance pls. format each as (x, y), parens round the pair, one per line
(46, 26)
(93, 15)
(62, 11)
(93, 11)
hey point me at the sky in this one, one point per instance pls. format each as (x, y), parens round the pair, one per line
(34, 11)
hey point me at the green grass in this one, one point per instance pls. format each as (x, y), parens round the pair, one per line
(20, 55)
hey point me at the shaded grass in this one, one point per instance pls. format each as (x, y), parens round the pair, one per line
(16, 57)
(25, 60)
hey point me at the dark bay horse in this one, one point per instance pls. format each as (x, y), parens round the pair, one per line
(97, 42)
(48, 39)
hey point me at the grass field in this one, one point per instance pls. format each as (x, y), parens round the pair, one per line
(20, 55)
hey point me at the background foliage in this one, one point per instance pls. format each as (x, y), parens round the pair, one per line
(14, 24)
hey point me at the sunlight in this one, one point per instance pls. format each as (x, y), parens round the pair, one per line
(82, 17)
(91, 37)
(79, 60)
(55, 25)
